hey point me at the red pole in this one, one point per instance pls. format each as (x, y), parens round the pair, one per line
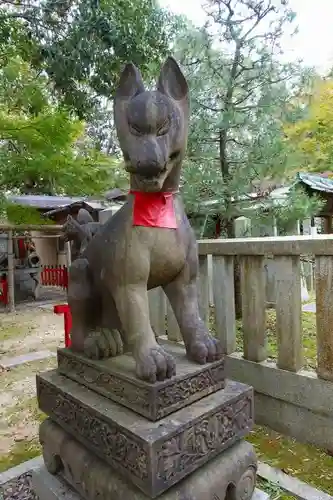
(4, 290)
(65, 310)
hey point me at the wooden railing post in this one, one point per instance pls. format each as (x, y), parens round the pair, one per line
(288, 312)
(224, 300)
(203, 287)
(254, 307)
(324, 315)
(68, 254)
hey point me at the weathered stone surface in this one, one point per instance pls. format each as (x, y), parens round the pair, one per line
(297, 404)
(152, 455)
(48, 487)
(116, 379)
(25, 358)
(13, 473)
(233, 470)
(293, 485)
(148, 244)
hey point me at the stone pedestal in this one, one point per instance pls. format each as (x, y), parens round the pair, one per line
(111, 436)
(115, 379)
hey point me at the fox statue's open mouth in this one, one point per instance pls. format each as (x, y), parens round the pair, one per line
(149, 183)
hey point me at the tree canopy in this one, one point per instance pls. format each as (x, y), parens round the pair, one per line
(310, 139)
(241, 96)
(43, 149)
(254, 118)
(83, 44)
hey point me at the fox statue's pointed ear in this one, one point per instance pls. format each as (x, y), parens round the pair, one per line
(130, 83)
(171, 81)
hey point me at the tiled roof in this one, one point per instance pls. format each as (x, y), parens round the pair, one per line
(43, 201)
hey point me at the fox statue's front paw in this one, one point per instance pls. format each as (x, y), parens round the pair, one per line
(103, 344)
(204, 348)
(154, 363)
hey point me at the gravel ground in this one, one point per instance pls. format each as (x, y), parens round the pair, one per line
(18, 489)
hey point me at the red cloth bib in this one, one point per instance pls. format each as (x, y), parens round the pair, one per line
(154, 210)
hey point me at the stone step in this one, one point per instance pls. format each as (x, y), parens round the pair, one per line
(49, 487)
(25, 358)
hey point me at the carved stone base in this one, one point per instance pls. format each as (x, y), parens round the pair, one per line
(115, 379)
(231, 475)
(152, 455)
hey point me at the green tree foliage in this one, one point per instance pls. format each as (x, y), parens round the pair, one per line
(83, 44)
(43, 148)
(310, 139)
(22, 214)
(241, 94)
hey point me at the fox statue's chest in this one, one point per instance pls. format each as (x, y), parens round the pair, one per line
(149, 239)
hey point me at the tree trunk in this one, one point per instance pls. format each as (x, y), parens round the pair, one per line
(229, 222)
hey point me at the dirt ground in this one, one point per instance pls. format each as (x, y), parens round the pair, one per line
(30, 329)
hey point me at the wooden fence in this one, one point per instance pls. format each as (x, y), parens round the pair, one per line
(289, 399)
(54, 276)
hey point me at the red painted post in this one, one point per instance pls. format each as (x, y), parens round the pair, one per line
(65, 310)
(4, 290)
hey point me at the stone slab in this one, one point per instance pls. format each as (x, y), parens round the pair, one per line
(115, 379)
(292, 485)
(49, 487)
(19, 470)
(152, 455)
(304, 388)
(25, 358)
(92, 478)
(299, 405)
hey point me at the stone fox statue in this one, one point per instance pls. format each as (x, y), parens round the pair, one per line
(148, 243)
(80, 231)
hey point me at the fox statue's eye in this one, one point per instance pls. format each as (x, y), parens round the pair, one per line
(134, 129)
(163, 129)
(174, 156)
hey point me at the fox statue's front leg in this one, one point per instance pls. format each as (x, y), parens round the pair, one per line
(126, 280)
(152, 361)
(182, 293)
(94, 332)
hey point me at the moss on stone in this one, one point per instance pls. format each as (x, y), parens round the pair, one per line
(306, 462)
(20, 452)
(273, 490)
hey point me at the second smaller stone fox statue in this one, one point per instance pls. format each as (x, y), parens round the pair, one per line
(148, 243)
